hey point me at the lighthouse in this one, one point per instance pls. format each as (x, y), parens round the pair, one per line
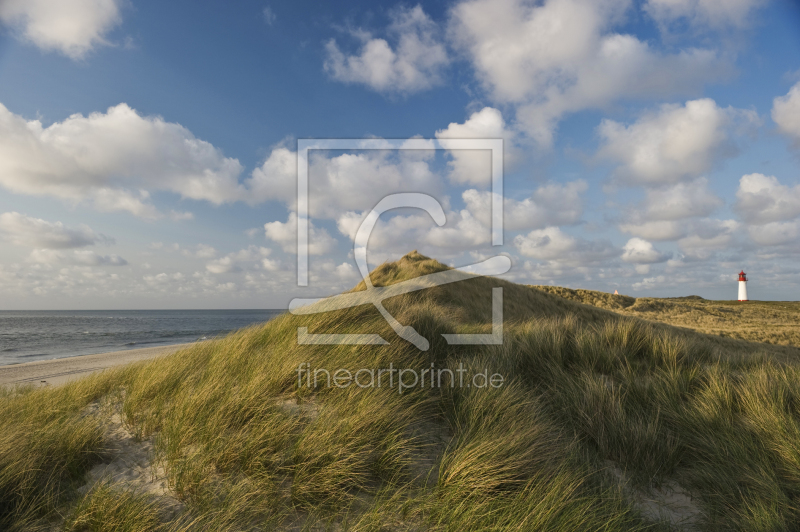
(742, 286)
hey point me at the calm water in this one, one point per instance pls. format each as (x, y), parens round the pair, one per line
(26, 336)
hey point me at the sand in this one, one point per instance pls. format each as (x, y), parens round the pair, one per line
(62, 370)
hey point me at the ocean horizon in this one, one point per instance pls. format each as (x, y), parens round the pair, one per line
(33, 335)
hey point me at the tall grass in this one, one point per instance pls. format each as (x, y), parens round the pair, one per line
(245, 446)
(773, 322)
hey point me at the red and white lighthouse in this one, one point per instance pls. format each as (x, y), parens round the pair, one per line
(742, 286)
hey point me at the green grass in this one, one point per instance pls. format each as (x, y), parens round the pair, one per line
(773, 322)
(587, 393)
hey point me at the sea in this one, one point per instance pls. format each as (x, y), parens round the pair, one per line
(27, 336)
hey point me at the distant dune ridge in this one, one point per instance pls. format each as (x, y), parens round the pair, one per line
(774, 322)
(603, 422)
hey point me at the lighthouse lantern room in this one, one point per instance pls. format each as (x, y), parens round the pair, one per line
(742, 286)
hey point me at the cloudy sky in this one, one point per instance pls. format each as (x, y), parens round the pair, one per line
(148, 148)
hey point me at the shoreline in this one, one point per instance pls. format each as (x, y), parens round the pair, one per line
(58, 371)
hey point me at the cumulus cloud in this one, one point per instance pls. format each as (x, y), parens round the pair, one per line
(71, 27)
(770, 209)
(670, 212)
(285, 234)
(786, 114)
(346, 182)
(469, 228)
(37, 233)
(762, 199)
(682, 200)
(461, 231)
(707, 236)
(553, 245)
(562, 56)
(713, 13)
(474, 167)
(775, 233)
(358, 181)
(675, 143)
(113, 159)
(414, 64)
(393, 236)
(552, 204)
(639, 251)
(252, 257)
(276, 179)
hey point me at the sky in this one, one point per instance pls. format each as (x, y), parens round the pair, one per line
(148, 150)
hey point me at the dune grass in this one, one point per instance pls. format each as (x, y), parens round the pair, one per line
(597, 411)
(773, 322)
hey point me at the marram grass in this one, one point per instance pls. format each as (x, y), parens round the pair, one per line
(589, 397)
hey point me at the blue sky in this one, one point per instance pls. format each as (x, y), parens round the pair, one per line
(147, 149)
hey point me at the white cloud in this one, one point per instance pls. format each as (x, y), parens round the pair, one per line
(276, 179)
(164, 278)
(671, 212)
(775, 233)
(461, 231)
(469, 228)
(682, 200)
(112, 159)
(762, 199)
(474, 166)
(639, 251)
(656, 230)
(269, 16)
(355, 182)
(202, 251)
(345, 271)
(786, 113)
(342, 183)
(393, 236)
(82, 257)
(285, 234)
(713, 13)
(561, 56)
(251, 258)
(649, 283)
(707, 236)
(72, 27)
(770, 209)
(37, 233)
(415, 64)
(223, 265)
(675, 143)
(553, 245)
(550, 205)
(205, 251)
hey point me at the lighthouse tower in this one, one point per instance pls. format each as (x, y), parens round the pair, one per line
(742, 286)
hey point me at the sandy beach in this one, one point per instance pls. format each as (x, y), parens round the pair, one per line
(61, 370)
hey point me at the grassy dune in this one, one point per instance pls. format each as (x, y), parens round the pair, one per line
(603, 422)
(774, 322)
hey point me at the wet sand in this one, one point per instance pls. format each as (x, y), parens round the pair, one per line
(61, 370)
